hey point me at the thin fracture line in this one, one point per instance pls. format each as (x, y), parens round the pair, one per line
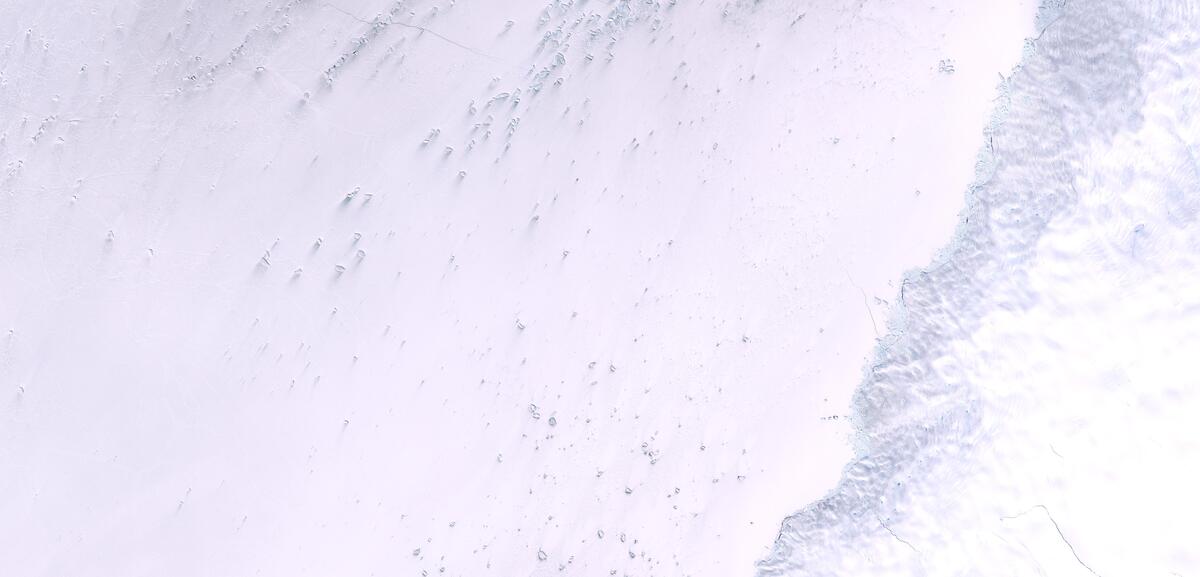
(1060, 536)
(415, 27)
(889, 530)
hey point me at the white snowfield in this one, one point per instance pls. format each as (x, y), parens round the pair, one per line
(365, 287)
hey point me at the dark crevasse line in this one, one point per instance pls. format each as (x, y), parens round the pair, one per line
(917, 417)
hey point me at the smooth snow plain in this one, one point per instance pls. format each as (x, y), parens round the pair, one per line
(368, 287)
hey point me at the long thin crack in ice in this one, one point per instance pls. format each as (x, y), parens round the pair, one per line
(1060, 536)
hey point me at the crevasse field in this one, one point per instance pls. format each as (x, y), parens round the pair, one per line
(599, 287)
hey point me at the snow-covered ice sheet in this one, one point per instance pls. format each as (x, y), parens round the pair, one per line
(1034, 412)
(365, 287)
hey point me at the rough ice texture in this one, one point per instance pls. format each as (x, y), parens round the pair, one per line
(1030, 414)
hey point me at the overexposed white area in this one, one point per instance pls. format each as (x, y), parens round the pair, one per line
(372, 288)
